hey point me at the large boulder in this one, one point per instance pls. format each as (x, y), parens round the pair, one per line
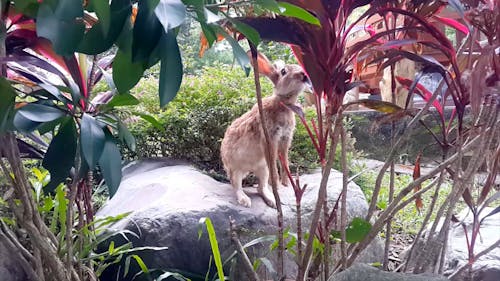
(363, 272)
(167, 199)
(10, 266)
(487, 267)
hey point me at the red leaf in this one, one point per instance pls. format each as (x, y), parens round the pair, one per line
(423, 92)
(453, 23)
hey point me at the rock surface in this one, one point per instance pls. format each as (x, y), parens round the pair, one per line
(166, 202)
(487, 267)
(10, 268)
(363, 272)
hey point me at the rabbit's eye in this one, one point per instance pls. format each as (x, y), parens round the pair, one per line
(283, 72)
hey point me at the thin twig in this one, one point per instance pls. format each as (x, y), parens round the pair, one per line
(476, 257)
(247, 264)
(271, 162)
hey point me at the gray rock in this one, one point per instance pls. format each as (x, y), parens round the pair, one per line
(487, 267)
(10, 269)
(167, 202)
(363, 272)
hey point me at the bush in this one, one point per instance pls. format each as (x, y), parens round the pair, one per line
(195, 121)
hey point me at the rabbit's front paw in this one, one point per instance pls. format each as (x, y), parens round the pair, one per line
(243, 199)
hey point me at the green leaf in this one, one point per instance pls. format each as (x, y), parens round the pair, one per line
(98, 39)
(171, 69)
(60, 156)
(7, 99)
(147, 31)
(122, 100)
(170, 13)
(92, 140)
(151, 120)
(293, 11)
(62, 26)
(39, 112)
(248, 31)
(111, 165)
(238, 52)
(214, 245)
(126, 73)
(125, 136)
(141, 263)
(103, 11)
(270, 5)
(357, 230)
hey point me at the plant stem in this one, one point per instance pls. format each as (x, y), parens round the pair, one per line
(271, 163)
(321, 195)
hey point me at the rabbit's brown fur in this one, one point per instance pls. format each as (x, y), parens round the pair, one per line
(243, 146)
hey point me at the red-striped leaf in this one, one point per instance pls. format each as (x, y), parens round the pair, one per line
(423, 92)
(453, 23)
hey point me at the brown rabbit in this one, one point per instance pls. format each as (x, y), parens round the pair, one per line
(242, 148)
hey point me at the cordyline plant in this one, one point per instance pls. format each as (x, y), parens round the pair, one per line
(321, 48)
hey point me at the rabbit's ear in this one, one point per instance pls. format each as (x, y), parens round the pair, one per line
(265, 67)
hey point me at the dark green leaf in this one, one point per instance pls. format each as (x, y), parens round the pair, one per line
(7, 98)
(103, 11)
(238, 52)
(170, 13)
(39, 112)
(110, 163)
(98, 39)
(92, 140)
(147, 31)
(171, 69)
(248, 31)
(60, 156)
(122, 100)
(293, 11)
(62, 26)
(126, 73)
(125, 136)
(357, 230)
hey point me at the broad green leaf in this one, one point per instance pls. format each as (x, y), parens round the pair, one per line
(357, 230)
(61, 26)
(126, 73)
(103, 11)
(27, 7)
(171, 69)
(122, 100)
(213, 244)
(97, 39)
(170, 13)
(125, 136)
(147, 31)
(60, 156)
(40, 113)
(7, 98)
(92, 140)
(111, 165)
(238, 52)
(293, 11)
(248, 31)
